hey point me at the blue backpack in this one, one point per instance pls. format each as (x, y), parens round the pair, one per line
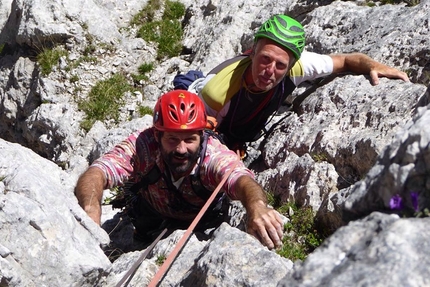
(183, 81)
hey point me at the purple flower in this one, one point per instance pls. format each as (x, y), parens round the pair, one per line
(414, 199)
(396, 202)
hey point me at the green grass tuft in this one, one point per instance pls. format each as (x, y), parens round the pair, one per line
(144, 110)
(49, 58)
(167, 33)
(302, 237)
(104, 100)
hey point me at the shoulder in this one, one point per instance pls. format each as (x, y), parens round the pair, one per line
(225, 83)
(127, 157)
(146, 144)
(311, 58)
(137, 140)
(146, 136)
(216, 150)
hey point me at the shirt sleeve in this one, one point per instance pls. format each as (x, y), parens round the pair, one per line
(311, 66)
(218, 161)
(119, 163)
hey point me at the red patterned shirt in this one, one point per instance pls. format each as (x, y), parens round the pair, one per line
(137, 155)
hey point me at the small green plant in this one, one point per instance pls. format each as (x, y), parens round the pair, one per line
(167, 33)
(48, 58)
(115, 192)
(104, 100)
(160, 259)
(89, 50)
(302, 237)
(319, 157)
(174, 10)
(108, 47)
(170, 41)
(144, 110)
(83, 59)
(143, 70)
(77, 90)
(147, 13)
(74, 78)
(424, 213)
(84, 26)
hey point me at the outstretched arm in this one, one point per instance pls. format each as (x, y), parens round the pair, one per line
(362, 64)
(263, 222)
(89, 191)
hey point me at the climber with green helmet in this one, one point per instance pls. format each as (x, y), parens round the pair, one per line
(242, 93)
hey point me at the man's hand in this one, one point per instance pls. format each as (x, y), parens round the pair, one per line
(362, 64)
(262, 222)
(265, 224)
(381, 70)
(89, 192)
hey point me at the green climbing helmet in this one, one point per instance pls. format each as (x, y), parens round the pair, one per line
(285, 31)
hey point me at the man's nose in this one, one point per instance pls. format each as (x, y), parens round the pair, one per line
(181, 147)
(270, 68)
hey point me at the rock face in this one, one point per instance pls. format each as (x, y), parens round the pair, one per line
(345, 148)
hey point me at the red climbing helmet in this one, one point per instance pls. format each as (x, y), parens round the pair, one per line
(179, 110)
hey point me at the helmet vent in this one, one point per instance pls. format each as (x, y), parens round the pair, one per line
(172, 112)
(192, 113)
(182, 107)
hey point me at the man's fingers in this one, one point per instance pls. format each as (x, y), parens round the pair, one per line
(279, 225)
(263, 237)
(280, 230)
(374, 78)
(384, 71)
(269, 232)
(275, 237)
(266, 239)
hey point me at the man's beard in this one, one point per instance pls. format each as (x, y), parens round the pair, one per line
(178, 168)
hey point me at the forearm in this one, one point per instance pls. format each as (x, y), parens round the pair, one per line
(89, 192)
(355, 62)
(249, 192)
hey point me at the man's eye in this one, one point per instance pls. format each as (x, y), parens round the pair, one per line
(265, 60)
(173, 140)
(281, 66)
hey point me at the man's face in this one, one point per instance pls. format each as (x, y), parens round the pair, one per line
(270, 63)
(180, 151)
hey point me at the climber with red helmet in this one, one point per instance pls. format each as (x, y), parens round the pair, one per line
(171, 169)
(243, 93)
